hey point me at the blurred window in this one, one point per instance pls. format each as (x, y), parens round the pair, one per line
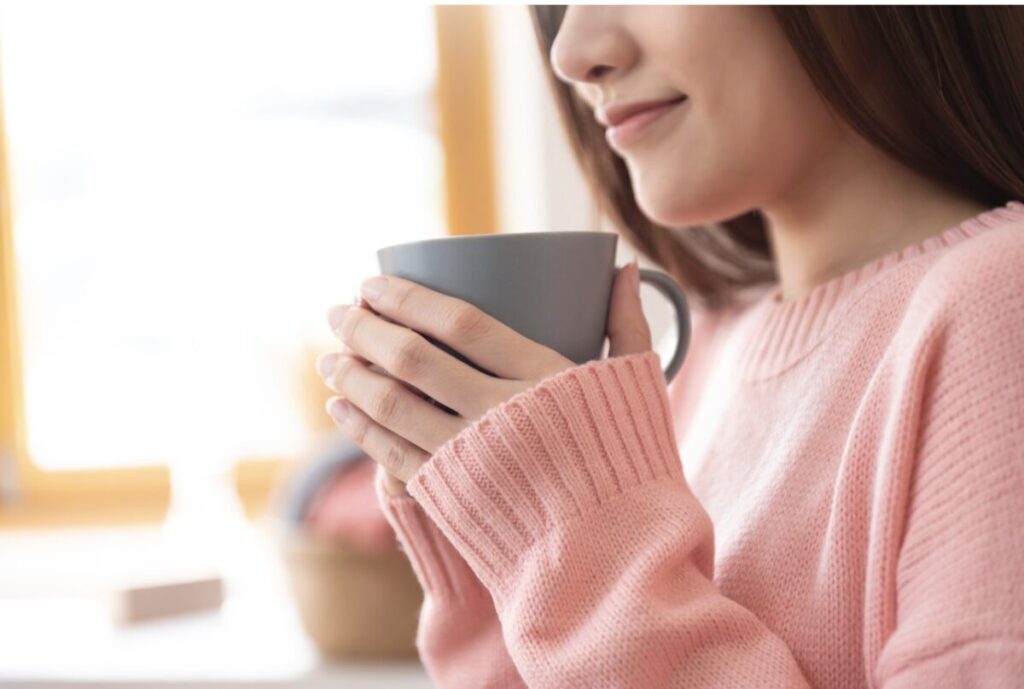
(194, 184)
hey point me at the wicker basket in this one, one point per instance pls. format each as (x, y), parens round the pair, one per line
(354, 605)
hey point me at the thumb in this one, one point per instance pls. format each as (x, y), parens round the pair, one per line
(628, 331)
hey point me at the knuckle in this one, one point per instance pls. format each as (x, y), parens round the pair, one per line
(396, 460)
(401, 293)
(353, 317)
(465, 323)
(386, 404)
(357, 429)
(341, 370)
(408, 357)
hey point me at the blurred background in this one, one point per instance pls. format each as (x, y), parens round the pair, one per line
(185, 189)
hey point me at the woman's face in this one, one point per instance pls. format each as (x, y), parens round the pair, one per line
(751, 127)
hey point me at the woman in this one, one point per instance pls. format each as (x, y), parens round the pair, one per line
(837, 188)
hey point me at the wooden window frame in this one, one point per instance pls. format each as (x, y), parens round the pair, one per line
(34, 497)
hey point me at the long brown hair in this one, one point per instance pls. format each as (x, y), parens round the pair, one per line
(941, 89)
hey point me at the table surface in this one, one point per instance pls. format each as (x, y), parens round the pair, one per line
(56, 627)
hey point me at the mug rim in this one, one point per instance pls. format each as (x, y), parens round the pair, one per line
(498, 235)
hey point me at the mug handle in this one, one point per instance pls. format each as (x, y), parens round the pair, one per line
(671, 291)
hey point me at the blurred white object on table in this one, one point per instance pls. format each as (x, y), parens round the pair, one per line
(56, 629)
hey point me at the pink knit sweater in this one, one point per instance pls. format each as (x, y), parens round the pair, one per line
(830, 494)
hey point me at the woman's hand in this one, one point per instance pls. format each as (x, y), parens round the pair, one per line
(387, 369)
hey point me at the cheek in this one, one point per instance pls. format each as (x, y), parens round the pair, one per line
(756, 123)
(744, 148)
(786, 131)
(698, 173)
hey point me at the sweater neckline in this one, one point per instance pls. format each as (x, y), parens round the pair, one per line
(779, 333)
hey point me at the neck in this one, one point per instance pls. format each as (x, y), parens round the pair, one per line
(856, 205)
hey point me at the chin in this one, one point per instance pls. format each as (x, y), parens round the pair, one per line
(666, 204)
(659, 192)
(663, 206)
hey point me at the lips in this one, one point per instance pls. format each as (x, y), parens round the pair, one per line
(614, 115)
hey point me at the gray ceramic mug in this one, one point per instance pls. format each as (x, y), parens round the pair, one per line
(552, 287)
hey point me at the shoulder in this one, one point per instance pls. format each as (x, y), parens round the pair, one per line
(960, 334)
(977, 285)
(971, 304)
(990, 264)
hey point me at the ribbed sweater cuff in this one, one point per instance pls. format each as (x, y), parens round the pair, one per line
(441, 570)
(547, 456)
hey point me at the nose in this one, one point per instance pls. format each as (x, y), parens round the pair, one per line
(590, 45)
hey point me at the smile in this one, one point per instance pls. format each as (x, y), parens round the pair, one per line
(632, 128)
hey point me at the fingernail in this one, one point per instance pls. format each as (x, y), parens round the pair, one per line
(325, 363)
(338, 409)
(373, 288)
(336, 315)
(636, 276)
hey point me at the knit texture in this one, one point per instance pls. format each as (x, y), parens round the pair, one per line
(829, 494)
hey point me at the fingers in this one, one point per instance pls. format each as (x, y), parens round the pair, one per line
(465, 328)
(409, 357)
(393, 405)
(391, 486)
(328, 361)
(394, 453)
(628, 331)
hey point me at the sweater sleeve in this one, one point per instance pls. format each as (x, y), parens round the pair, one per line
(958, 613)
(569, 504)
(458, 636)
